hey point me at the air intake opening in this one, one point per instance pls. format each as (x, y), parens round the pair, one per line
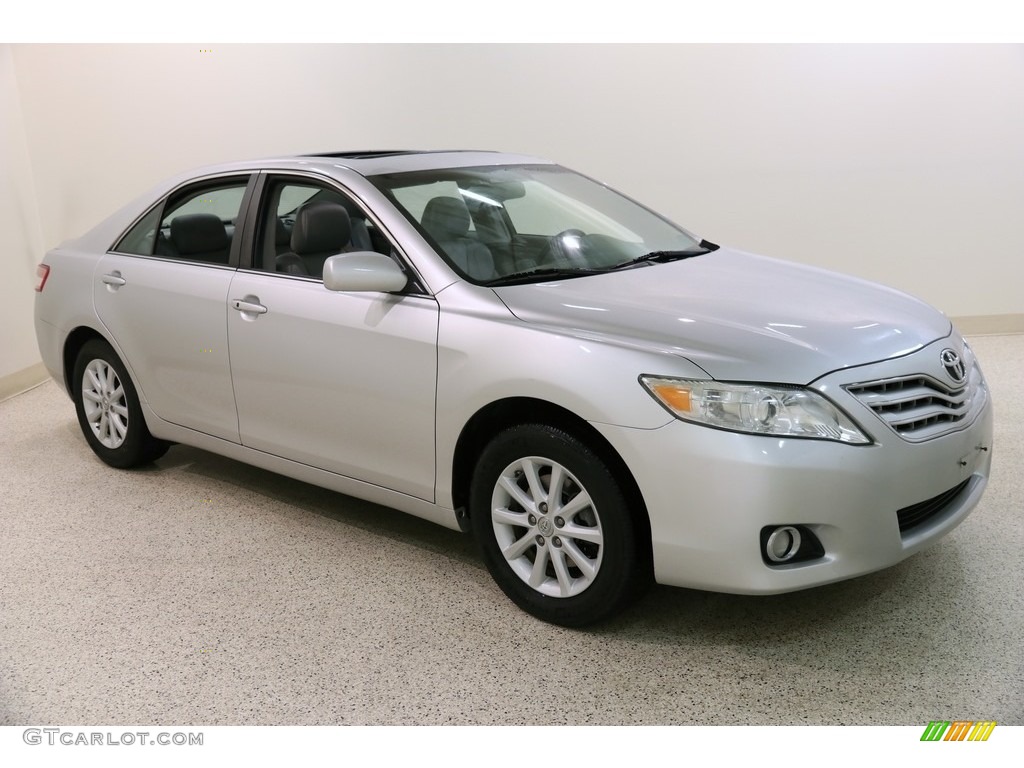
(918, 514)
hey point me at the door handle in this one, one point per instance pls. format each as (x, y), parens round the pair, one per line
(114, 279)
(250, 306)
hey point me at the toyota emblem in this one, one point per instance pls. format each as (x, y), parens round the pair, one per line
(954, 365)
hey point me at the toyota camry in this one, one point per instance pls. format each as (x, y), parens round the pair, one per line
(514, 350)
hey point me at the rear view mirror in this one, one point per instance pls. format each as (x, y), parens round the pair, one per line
(363, 271)
(493, 195)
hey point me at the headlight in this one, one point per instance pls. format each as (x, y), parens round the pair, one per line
(760, 409)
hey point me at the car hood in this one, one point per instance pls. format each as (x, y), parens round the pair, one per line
(739, 316)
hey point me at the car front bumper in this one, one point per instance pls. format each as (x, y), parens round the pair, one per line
(709, 493)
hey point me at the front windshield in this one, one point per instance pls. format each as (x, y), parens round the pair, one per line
(524, 223)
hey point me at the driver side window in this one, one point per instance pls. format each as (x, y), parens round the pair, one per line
(303, 223)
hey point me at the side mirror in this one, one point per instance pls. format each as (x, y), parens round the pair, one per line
(363, 271)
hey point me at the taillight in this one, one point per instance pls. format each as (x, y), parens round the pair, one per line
(42, 272)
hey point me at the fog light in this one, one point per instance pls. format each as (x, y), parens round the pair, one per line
(783, 544)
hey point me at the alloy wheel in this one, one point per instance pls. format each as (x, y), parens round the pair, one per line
(105, 403)
(547, 527)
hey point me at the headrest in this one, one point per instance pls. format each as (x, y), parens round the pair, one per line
(446, 218)
(321, 227)
(198, 233)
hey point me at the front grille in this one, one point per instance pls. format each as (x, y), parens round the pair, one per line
(917, 514)
(921, 407)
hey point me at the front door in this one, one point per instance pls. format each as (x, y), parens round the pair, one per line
(340, 381)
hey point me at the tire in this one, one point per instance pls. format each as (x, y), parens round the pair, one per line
(108, 409)
(554, 526)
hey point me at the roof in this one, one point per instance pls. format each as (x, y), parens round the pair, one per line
(374, 162)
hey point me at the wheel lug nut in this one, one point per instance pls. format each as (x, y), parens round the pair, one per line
(540, 540)
(532, 519)
(556, 541)
(560, 522)
(543, 507)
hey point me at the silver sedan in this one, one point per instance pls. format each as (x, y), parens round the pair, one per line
(505, 347)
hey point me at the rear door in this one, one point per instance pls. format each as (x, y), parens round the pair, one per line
(162, 295)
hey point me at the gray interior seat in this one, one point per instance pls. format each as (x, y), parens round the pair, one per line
(200, 237)
(321, 230)
(360, 239)
(447, 220)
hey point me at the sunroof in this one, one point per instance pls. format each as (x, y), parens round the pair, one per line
(367, 153)
(385, 153)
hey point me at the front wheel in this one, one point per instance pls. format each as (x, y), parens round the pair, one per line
(108, 409)
(554, 526)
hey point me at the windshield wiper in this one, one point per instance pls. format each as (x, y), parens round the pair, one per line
(660, 257)
(530, 275)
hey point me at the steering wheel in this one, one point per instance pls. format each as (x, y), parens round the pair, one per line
(564, 249)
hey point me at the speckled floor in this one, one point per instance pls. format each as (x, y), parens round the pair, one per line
(203, 591)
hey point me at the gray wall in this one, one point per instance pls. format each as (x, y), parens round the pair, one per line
(903, 164)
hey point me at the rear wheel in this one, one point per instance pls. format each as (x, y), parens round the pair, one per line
(108, 409)
(554, 526)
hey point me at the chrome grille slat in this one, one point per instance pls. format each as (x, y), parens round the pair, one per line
(877, 400)
(912, 416)
(919, 406)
